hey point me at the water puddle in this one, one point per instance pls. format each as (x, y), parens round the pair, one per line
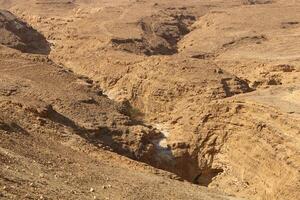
(164, 152)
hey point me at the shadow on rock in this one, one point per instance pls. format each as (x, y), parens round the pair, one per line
(17, 34)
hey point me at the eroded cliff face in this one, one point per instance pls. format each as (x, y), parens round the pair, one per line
(203, 90)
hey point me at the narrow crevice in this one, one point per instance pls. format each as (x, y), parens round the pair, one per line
(206, 177)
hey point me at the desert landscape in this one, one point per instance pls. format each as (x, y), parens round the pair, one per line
(150, 99)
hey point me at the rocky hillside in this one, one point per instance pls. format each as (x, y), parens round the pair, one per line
(206, 93)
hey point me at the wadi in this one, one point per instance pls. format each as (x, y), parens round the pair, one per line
(150, 99)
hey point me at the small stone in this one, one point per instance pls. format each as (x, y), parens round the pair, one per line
(219, 71)
(106, 186)
(92, 190)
